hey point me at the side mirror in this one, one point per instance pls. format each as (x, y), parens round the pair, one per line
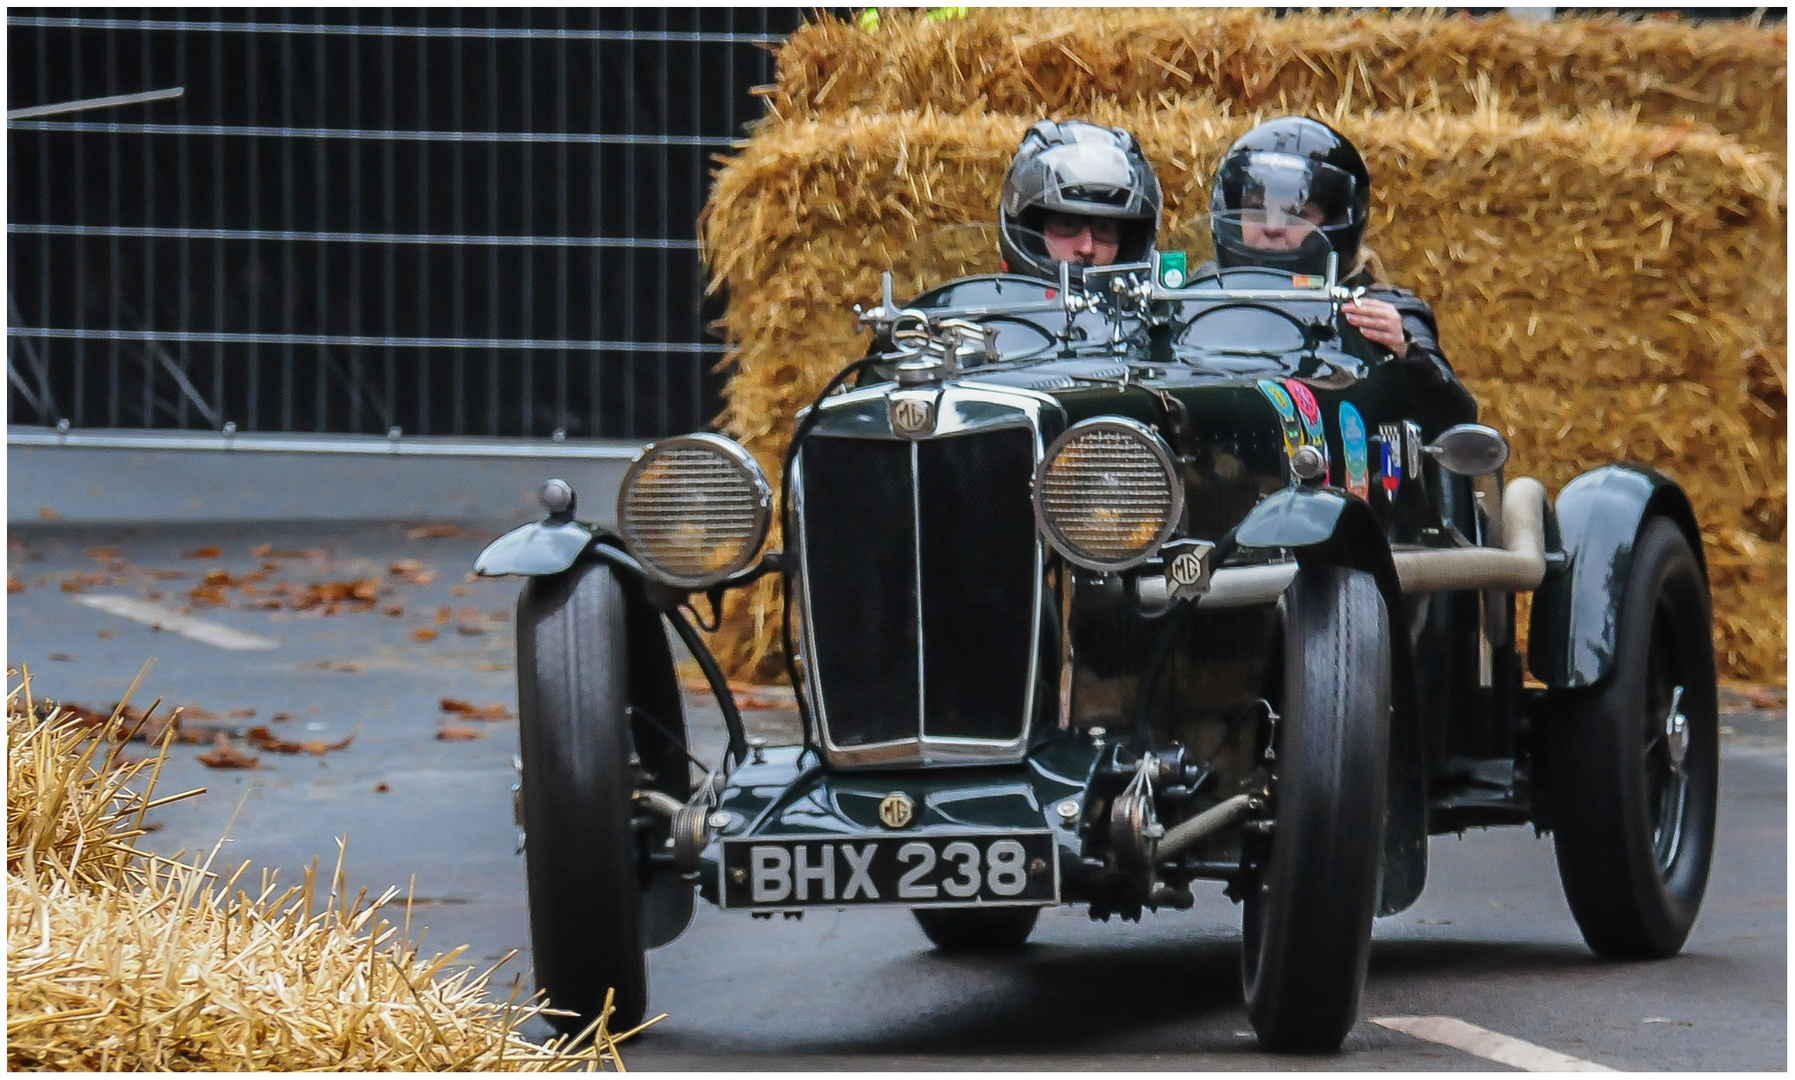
(1469, 450)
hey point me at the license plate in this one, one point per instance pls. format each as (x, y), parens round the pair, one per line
(919, 870)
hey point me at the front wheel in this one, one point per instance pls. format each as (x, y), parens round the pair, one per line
(583, 840)
(1632, 765)
(1311, 883)
(977, 930)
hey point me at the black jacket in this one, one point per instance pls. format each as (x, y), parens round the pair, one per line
(1440, 400)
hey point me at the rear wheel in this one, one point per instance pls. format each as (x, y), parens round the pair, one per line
(1632, 765)
(1311, 888)
(977, 930)
(583, 842)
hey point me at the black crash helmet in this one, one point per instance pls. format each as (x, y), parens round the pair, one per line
(1074, 167)
(1284, 166)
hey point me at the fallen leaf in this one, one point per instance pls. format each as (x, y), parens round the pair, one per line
(71, 585)
(394, 610)
(443, 532)
(458, 590)
(103, 554)
(468, 711)
(423, 633)
(469, 631)
(455, 733)
(382, 788)
(14, 585)
(263, 739)
(1762, 698)
(203, 553)
(240, 714)
(224, 756)
(62, 657)
(108, 635)
(443, 615)
(47, 514)
(422, 577)
(279, 716)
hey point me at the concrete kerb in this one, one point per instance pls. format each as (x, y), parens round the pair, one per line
(153, 477)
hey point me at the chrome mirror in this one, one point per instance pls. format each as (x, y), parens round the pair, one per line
(1469, 450)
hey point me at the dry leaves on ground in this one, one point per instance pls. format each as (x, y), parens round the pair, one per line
(466, 711)
(457, 733)
(225, 756)
(263, 739)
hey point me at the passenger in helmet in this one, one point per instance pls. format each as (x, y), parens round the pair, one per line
(1290, 191)
(1080, 194)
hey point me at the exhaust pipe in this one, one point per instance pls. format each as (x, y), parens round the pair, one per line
(1519, 565)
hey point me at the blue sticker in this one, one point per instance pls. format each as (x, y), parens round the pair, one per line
(1280, 399)
(1352, 442)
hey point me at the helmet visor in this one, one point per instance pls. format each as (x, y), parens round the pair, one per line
(1283, 187)
(1092, 178)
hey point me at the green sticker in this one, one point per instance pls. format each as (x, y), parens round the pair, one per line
(1171, 269)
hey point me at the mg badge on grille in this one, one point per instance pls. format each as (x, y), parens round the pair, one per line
(1186, 567)
(913, 414)
(896, 810)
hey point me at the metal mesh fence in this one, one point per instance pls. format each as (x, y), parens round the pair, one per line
(462, 222)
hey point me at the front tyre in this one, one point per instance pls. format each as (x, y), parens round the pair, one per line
(977, 930)
(1632, 765)
(1312, 889)
(580, 851)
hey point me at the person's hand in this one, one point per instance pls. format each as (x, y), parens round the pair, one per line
(1380, 322)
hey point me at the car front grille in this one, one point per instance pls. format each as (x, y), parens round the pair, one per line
(921, 578)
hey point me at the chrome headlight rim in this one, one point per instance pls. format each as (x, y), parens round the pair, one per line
(745, 464)
(1162, 454)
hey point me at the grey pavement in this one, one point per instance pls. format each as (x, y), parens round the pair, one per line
(1490, 942)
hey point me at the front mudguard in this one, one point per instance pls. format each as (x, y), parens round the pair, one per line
(1571, 637)
(1327, 525)
(539, 549)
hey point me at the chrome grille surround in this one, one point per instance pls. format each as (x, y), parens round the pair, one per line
(694, 509)
(961, 409)
(1107, 493)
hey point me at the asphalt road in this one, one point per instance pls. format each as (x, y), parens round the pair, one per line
(1490, 943)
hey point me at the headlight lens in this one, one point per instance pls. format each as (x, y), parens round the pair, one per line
(1107, 494)
(694, 509)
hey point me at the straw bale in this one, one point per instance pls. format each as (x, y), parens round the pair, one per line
(1726, 76)
(117, 960)
(1567, 259)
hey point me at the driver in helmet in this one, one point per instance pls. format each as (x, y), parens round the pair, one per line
(1290, 191)
(1079, 194)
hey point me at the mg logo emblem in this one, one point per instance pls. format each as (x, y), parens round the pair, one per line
(912, 416)
(1186, 570)
(896, 810)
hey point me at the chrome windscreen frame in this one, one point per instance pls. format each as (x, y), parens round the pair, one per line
(864, 414)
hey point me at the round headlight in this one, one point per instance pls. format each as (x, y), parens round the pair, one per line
(694, 510)
(1107, 494)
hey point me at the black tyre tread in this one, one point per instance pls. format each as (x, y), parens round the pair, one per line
(1596, 786)
(1307, 975)
(977, 930)
(573, 671)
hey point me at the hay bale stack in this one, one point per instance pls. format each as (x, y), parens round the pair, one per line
(1601, 286)
(117, 960)
(1728, 77)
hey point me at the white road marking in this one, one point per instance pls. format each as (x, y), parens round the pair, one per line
(156, 615)
(1486, 1044)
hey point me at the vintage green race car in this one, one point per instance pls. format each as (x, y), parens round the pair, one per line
(1098, 590)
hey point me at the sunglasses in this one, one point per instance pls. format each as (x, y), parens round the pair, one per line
(1069, 226)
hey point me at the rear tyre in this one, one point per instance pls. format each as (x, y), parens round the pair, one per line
(1312, 888)
(977, 930)
(580, 847)
(1632, 791)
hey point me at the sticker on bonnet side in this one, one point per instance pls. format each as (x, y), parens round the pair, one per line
(1280, 399)
(1309, 408)
(1352, 444)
